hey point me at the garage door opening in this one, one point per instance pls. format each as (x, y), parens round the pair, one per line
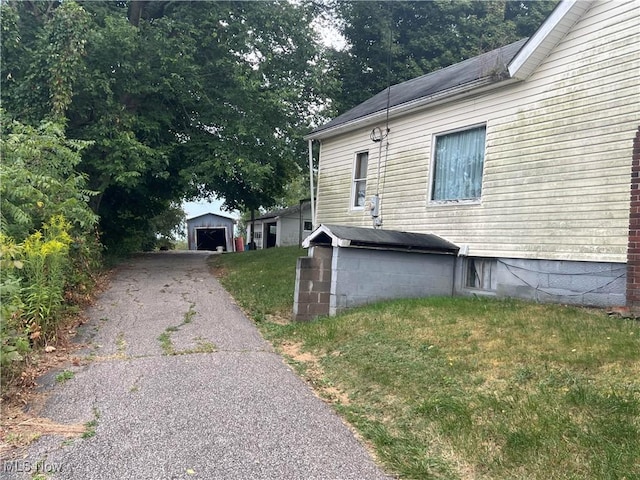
(211, 238)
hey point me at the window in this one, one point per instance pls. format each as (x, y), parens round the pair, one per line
(458, 162)
(480, 273)
(360, 179)
(308, 226)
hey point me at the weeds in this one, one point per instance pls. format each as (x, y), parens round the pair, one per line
(188, 317)
(34, 276)
(64, 376)
(91, 425)
(166, 343)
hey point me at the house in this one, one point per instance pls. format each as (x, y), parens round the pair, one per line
(527, 158)
(210, 232)
(281, 228)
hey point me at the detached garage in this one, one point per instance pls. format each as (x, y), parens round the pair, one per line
(210, 232)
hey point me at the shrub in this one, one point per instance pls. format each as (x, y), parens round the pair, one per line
(14, 343)
(47, 266)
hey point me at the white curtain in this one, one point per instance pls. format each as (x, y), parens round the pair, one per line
(458, 165)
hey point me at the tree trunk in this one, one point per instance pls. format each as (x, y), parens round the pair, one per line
(135, 11)
(252, 243)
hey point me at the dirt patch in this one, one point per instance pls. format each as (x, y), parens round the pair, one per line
(20, 421)
(278, 319)
(20, 428)
(314, 373)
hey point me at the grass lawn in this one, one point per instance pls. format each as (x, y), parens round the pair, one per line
(462, 388)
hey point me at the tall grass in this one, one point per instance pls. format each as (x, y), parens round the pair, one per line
(471, 387)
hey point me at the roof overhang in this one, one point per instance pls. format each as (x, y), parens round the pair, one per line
(375, 239)
(211, 213)
(445, 96)
(522, 65)
(538, 47)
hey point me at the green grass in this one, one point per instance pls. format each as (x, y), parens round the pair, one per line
(466, 387)
(261, 281)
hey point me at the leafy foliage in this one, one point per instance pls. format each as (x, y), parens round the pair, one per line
(38, 179)
(44, 277)
(396, 41)
(47, 242)
(179, 99)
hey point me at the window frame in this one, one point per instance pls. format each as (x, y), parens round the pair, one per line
(354, 181)
(432, 169)
(486, 271)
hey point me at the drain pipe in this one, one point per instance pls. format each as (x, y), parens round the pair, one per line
(313, 200)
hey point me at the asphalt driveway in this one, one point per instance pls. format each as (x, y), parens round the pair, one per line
(178, 384)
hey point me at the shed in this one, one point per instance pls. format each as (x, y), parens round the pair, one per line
(350, 266)
(284, 227)
(210, 231)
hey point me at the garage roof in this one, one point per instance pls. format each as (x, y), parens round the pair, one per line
(358, 237)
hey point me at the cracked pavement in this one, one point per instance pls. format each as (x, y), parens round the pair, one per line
(180, 385)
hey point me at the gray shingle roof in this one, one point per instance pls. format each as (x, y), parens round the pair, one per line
(284, 212)
(490, 66)
(358, 237)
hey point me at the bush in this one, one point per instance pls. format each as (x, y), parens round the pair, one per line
(14, 343)
(48, 243)
(47, 266)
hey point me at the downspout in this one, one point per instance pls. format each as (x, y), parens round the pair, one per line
(300, 223)
(313, 202)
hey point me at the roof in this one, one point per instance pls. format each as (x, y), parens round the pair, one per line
(554, 28)
(478, 71)
(507, 64)
(358, 237)
(284, 212)
(210, 213)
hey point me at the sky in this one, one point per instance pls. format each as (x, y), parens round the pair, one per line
(193, 209)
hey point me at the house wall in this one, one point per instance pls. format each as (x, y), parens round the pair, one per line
(553, 281)
(258, 237)
(209, 221)
(360, 276)
(288, 229)
(558, 155)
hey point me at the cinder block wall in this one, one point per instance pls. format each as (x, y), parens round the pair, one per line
(363, 276)
(556, 281)
(313, 284)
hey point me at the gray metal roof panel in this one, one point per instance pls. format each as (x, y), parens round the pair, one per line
(378, 238)
(280, 213)
(211, 213)
(490, 65)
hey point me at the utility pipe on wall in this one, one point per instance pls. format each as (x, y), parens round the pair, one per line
(313, 200)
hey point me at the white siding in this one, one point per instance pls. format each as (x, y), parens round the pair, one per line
(558, 158)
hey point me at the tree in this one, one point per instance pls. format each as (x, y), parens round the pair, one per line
(391, 42)
(179, 99)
